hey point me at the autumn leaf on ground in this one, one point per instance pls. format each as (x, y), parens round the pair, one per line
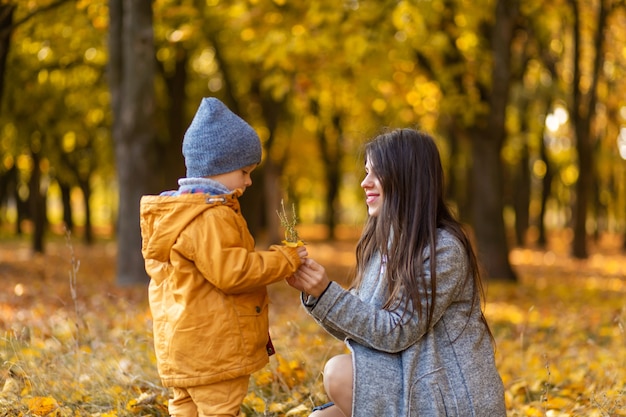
(41, 406)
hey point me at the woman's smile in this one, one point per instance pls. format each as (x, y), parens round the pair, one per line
(373, 190)
(371, 197)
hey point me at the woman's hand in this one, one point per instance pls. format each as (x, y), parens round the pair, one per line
(310, 278)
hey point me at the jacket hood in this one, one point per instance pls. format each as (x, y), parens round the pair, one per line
(162, 218)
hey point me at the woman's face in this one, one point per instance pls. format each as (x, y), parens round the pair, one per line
(373, 190)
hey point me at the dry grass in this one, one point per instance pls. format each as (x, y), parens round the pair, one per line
(560, 335)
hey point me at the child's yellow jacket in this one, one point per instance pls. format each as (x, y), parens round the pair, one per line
(207, 290)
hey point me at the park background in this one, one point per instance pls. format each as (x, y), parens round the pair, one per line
(526, 100)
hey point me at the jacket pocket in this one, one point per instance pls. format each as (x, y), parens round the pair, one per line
(252, 316)
(433, 395)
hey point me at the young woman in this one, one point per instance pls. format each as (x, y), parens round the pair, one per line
(420, 345)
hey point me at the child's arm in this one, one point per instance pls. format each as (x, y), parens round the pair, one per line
(226, 256)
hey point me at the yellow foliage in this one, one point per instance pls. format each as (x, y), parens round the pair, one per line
(263, 377)
(532, 411)
(290, 371)
(41, 406)
(298, 411)
(559, 338)
(276, 407)
(557, 403)
(255, 402)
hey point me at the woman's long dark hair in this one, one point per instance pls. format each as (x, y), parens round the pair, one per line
(408, 166)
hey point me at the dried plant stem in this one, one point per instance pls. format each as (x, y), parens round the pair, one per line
(73, 275)
(289, 224)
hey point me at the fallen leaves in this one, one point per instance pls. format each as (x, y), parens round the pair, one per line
(561, 343)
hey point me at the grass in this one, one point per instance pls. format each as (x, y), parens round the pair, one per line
(74, 344)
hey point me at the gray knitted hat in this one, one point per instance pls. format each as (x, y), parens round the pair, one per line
(218, 141)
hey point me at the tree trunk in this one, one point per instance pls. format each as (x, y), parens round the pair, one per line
(332, 194)
(458, 172)
(173, 162)
(273, 194)
(522, 178)
(6, 29)
(22, 206)
(521, 197)
(488, 208)
(546, 190)
(66, 201)
(132, 69)
(37, 201)
(331, 156)
(86, 189)
(582, 111)
(579, 244)
(583, 189)
(8, 183)
(273, 111)
(252, 203)
(487, 141)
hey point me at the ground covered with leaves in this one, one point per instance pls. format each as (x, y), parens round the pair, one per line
(72, 343)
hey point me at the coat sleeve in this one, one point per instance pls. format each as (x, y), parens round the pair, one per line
(222, 249)
(309, 302)
(342, 312)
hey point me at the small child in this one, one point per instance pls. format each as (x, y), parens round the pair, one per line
(207, 291)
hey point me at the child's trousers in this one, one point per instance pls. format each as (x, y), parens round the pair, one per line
(222, 399)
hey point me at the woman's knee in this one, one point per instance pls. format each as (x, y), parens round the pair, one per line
(338, 375)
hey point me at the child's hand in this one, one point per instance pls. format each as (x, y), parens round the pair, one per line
(310, 278)
(302, 252)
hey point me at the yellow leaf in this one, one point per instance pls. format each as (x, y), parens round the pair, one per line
(298, 411)
(12, 385)
(557, 403)
(255, 402)
(41, 406)
(276, 408)
(263, 377)
(293, 244)
(533, 412)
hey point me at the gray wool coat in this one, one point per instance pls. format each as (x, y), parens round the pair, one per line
(401, 367)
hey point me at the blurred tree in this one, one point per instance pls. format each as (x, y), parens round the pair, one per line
(222, 70)
(488, 137)
(330, 141)
(467, 50)
(7, 11)
(316, 79)
(8, 26)
(343, 59)
(583, 105)
(37, 199)
(178, 33)
(534, 89)
(541, 87)
(255, 79)
(132, 76)
(35, 209)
